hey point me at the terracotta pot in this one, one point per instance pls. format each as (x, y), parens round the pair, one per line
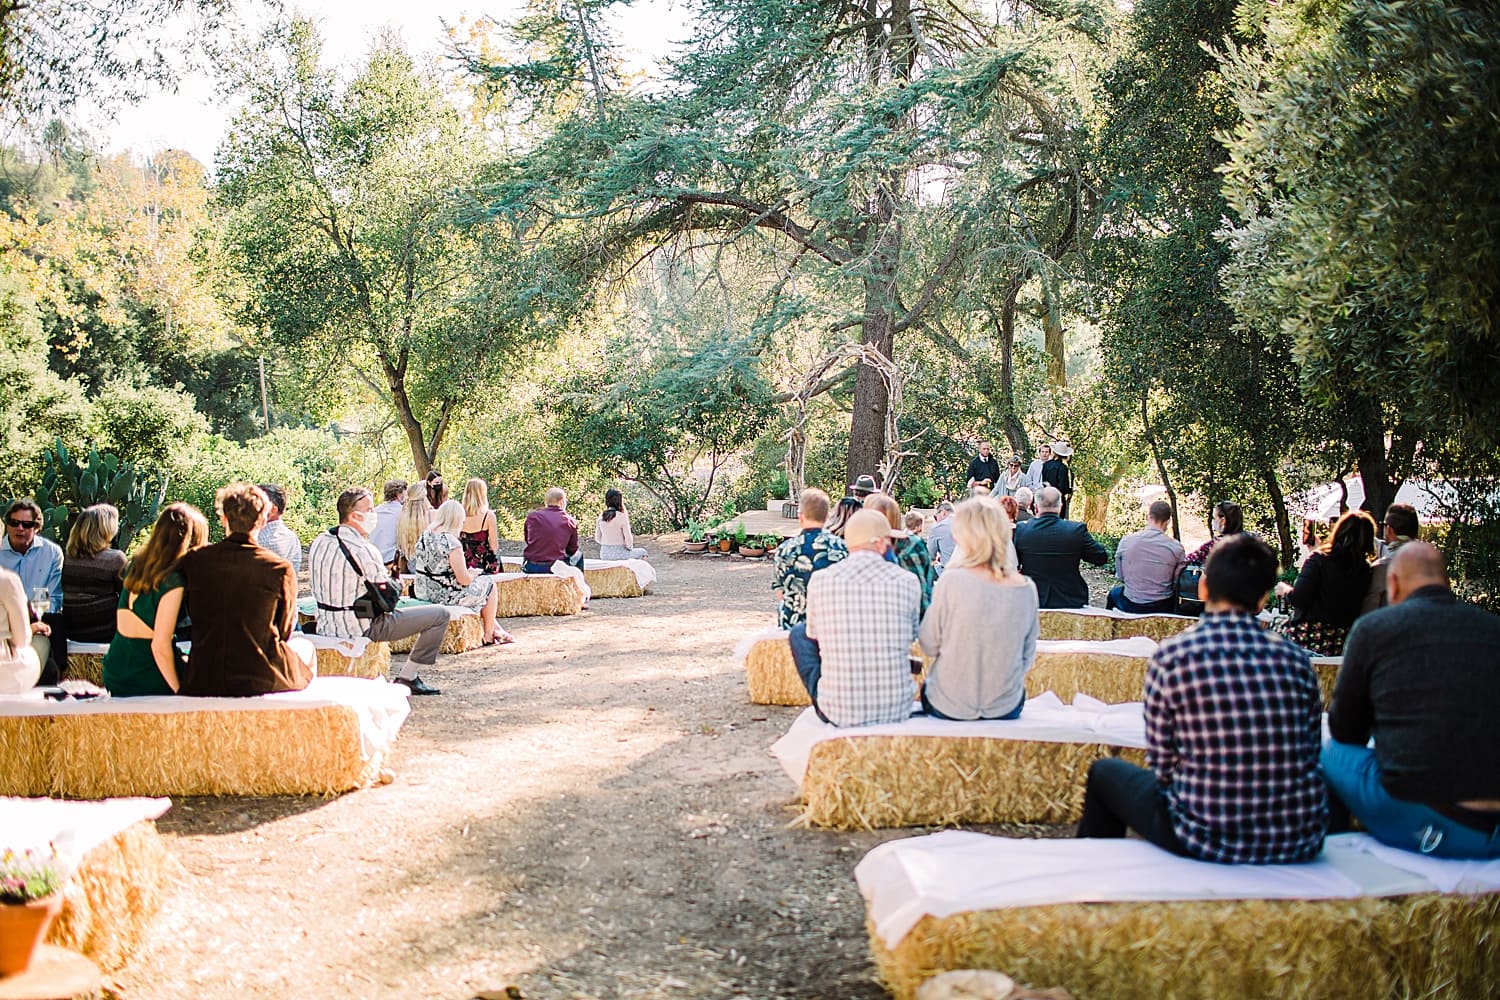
(22, 927)
(694, 546)
(725, 543)
(751, 553)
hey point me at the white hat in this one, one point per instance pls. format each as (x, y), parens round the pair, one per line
(1061, 449)
(864, 526)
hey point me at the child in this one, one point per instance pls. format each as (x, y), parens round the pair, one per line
(914, 524)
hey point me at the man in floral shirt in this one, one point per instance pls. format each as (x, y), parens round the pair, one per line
(800, 556)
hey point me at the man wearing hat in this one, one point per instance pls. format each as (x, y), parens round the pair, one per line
(853, 652)
(863, 486)
(984, 469)
(1055, 473)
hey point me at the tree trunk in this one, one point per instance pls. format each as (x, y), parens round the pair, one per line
(1283, 519)
(1375, 469)
(867, 443)
(415, 437)
(1015, 433)
(1055, 343)
(1161, 468)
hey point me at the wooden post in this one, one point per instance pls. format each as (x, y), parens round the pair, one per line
(265, 410)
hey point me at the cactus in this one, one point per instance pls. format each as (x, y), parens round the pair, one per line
(68, 487)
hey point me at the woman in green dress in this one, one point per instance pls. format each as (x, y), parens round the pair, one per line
(142, 657)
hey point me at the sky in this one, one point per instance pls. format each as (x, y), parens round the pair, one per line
(194, 119)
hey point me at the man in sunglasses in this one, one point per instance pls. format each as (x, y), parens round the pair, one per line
(38, 562)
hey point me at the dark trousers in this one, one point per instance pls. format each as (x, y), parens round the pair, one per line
(809, 662)
(55, 667)
(575, 560)
(1120, 795)
(1117, 599)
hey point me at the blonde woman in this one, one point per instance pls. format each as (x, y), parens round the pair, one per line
(415, 517)
(981, 629)
(20, 667)
(442, 576)
(480, 534)
(142, 657)
(91, 575)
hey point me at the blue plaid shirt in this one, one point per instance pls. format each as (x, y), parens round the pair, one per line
(1233, 732)
(796, 560)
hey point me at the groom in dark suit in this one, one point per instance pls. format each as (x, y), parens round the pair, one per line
(1049, 550)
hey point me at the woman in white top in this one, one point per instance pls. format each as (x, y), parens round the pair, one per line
(20, 667)
(442, 577)
(612, 532)
(981, 628)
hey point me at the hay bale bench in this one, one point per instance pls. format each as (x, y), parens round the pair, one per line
(86, 660)
(1111, 670)
(465, 632)
(771, 676)
(120, 870)
(1124, 920)
(351, 657)
(933, 772)
(1099, 624)
(608, 578)
(330, 738)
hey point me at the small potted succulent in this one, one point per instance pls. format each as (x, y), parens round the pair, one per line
(30, 897)
(697, 537)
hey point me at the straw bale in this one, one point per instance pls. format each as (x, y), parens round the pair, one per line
(1157, 627)
(865, 782)
(613, 581)
(771, 675)
(1328, 672)
(1109, 677)
(1428, 945)
(1069, 625)
(86, 667)
(374, 662)
(463, 634)
(303, 751)
(539, 594)
(24, 755)
(117, 891)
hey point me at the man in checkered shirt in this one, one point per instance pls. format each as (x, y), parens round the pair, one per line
(1233, 732)
(854, 650)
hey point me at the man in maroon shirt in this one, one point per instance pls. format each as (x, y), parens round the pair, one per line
(551, 535)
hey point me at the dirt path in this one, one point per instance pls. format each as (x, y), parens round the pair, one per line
(591, 812)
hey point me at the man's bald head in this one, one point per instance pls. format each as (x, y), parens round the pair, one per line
(1415, 564)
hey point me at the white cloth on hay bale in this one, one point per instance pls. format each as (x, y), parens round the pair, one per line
(645, 573)
(960, 872)
(1138, 646)
(742, 649)
(1045, 718)
(72, 828)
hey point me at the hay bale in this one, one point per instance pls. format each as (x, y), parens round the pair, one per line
(1110, 677)
(464, 633)
(86, 667)
(771, 675)
(538, 594)
(1429, 945)
(1076, 625)
(24, 752)
(866, 782)
(1157, 627)
(614, 581)
(117, 891)
(1327, 668)
(373, 663)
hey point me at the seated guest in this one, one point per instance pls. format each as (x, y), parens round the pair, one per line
(415, 517)
(862, 487)
(940, 538)
(1049, 550)
(1330, 590)
(1399, 527)
(443, 577)
(1420, 677)
(340, 562)
(142, 657)
(913, 522)
(1025, 504)
(982, 628)
(386, 516)
(1310, 540)
(812, 549)
(841, 514)
(20, 666)
(1011, 508)
(480, 533)
(1233, 722)
(551, 535)
(1148, 562)
(276, 536)
(1011, 480)
(91, 575)
(1227, 519)
(907, 552)
(38, 562)
(243, 601)
(437, 489)
(853, 652)
(612, 531)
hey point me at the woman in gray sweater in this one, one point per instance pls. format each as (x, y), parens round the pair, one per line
(982, 626)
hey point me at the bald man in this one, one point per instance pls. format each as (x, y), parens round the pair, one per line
(1423, 677)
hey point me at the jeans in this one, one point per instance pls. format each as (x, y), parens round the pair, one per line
(1353, 776)
(575, 560)
(1117, 599)
(1014, 713)
(431, 622)
(809, 662)
(1117, 795)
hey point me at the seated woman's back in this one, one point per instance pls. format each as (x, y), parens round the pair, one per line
(92, 575)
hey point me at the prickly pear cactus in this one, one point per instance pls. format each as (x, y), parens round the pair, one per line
(67, 487)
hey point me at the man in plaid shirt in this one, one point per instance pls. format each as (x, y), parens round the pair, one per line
(1233, 732)
(854, 650)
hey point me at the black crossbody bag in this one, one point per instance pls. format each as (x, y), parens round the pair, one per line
(379, 598)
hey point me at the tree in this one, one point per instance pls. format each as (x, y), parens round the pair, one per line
(36, 407)
(1369, 231)
(352, 224)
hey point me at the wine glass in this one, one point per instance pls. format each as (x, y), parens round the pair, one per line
(41, 602)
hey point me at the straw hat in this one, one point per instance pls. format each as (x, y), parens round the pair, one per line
(1061, 449)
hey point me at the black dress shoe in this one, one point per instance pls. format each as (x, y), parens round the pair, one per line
(416, 686)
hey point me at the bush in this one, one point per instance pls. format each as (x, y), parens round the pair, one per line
(144, 424)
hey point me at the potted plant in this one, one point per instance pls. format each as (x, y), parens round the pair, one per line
(770, 541)
(30, 898)
(697, 537)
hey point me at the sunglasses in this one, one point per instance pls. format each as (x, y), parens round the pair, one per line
(27, 525)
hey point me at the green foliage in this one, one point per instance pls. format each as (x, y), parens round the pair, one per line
(68, 486)
(920, 492)
(35, 405)
(147, 423)
(697, 531)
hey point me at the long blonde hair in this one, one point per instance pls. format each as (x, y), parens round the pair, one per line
(415, 515)
(476, 497)
(982, 537)
(449, 517)
(95, 528)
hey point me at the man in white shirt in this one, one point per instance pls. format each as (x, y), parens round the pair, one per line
(853, 652)
(276, 536)
(386, 516)
(336, 585)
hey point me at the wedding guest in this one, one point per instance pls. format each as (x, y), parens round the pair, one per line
(386, 516)
(480, 532)
(20, 666)
(1330, 590)
(91, 575)
(1227, 519)
(143, 657)
(612, 530)
(911, 554)
(443, 577)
